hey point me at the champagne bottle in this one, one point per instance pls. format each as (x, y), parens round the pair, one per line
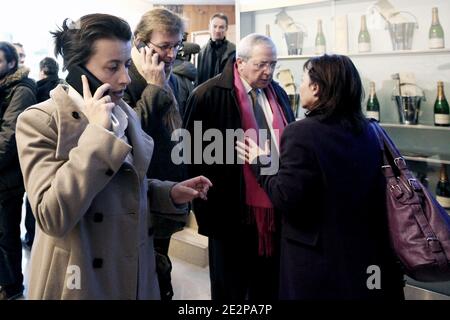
(441, 107)
(268, 30)
(320, 39)
(443, 188)
(373, 106)
(436, 34)
(364, 36)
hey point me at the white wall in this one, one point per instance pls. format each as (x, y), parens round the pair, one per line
(30, 21)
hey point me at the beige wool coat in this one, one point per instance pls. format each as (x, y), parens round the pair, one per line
(93, 237)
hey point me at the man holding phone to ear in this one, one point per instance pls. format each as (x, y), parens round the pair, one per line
(157, 40)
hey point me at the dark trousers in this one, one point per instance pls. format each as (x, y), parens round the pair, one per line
(236, 270)
(10, 244)
(163, 268)
(30, 223)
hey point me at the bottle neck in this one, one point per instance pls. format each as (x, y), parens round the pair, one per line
(443, 174)
(319, 27)
(440, 92)
(435, 17)
(372, 91)
(363, 24)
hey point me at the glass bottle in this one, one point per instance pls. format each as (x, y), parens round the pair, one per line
(373, 106)
(364, 36)
(443, 188)
(441, 107)
(436, 34)
(320, 39)
(268, 30)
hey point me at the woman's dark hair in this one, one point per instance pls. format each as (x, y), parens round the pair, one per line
(340, 89)
(10, 54)
(49, 66)
(75, 40)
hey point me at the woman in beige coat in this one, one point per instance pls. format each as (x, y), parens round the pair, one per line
(84, 159)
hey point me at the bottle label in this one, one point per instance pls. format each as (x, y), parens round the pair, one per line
(320, 49)
(440, 118)
(373, 114)
(364, 47)
(443, 201)
(436, 43)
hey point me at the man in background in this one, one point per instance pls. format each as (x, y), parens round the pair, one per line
(48, 75)
(214, 55)
(17, 92)
(20, 52)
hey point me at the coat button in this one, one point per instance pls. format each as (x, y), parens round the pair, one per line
(150, 232)
(97, 263)
(98, 217)
(75, 115)
(109, 172)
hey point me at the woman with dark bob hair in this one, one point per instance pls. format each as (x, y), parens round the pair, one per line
(84, 158)
(330, 190)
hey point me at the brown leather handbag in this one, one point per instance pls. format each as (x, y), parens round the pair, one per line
(418, 225)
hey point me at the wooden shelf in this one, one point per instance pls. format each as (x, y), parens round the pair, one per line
(429, 159)
(414, 126)
(372, 54)
(258, 5)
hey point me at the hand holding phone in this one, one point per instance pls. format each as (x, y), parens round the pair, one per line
(152, 66)
(98, 107)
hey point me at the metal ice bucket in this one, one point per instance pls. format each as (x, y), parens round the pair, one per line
(294, 40)
(408, 108)
(402, 34)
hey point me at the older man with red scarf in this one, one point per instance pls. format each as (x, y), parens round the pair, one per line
(238, 217)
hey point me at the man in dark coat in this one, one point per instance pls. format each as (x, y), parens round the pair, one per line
(49, 79)
(152, 94)
(214, 55)
(243, 246)
(17, 92)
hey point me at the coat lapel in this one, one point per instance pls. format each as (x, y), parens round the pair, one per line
(141, 142)
(71, 122)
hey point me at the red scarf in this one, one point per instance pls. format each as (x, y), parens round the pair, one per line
(257, 200)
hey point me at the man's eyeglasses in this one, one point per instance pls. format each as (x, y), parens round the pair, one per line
(265, 65)
(177, 46)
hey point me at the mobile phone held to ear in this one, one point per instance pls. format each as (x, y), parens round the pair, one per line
(140, 45)
(74, 79)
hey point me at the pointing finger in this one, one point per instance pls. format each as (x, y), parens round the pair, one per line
(86, 91)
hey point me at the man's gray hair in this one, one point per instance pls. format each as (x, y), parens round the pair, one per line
(245, 46)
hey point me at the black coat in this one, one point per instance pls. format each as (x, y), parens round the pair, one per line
(331, 192)
(205, 65)
(44, 86)
(214, 104)
(17, 93)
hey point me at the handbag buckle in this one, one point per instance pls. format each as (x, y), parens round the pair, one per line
(414, 184)
(396, 190)
(434, 244)
(397, 162)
